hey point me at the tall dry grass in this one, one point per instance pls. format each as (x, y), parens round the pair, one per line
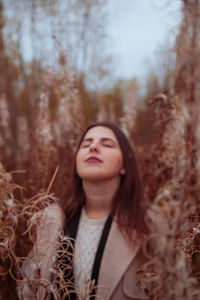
(169, 166)
(172, 174)
(41, 164)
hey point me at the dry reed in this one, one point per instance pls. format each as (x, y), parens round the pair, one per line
(170, 172)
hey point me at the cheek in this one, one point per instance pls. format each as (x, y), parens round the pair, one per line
(117, 161)
(78, 161)
(120, 162)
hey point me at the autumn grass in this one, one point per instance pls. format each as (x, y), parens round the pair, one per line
(39, 157)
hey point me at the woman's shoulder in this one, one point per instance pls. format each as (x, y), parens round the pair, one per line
(130, 235)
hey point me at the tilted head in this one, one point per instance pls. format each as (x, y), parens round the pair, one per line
(127, 205)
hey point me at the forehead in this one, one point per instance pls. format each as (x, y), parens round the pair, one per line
(100, 132)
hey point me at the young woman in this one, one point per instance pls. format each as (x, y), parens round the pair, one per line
(103, 212)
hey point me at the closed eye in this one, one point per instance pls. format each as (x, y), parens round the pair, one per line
(85, 145)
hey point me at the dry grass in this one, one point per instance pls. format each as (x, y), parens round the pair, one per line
(170, 169)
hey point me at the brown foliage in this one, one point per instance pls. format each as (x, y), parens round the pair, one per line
(39, 143)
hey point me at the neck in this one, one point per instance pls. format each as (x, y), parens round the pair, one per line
(99, 196)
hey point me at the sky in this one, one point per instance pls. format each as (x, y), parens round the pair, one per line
(138, 29)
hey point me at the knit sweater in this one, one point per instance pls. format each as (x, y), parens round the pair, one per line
(87, 240)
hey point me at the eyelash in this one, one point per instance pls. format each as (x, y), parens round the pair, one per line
(105, 145)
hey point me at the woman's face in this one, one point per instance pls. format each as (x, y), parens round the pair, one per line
(99, 156)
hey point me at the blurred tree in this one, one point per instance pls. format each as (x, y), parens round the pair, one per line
(7, 87)
(89, 102)
(76, 26)
(187, 72)
(153, 85)
(111, 103)
(144, 131)
(2, 55)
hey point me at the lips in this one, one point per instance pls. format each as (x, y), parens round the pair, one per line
(93, 159)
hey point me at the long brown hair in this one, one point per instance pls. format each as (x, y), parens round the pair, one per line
(128, 203)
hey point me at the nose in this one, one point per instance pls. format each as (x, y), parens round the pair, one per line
(94, 147)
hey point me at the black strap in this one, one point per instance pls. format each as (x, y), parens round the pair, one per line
(71, 230)
(72, 226)
(98, 257)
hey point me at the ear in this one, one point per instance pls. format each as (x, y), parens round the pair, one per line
(122, 171)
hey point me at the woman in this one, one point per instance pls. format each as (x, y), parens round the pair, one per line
(103, 212)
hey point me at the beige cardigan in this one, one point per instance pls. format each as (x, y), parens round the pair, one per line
(117, 275)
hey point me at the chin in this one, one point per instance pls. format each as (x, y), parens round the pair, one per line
(87, 175)
(93, 178)
(96, 177)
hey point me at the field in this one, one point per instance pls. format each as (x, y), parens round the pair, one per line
(42, 115)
